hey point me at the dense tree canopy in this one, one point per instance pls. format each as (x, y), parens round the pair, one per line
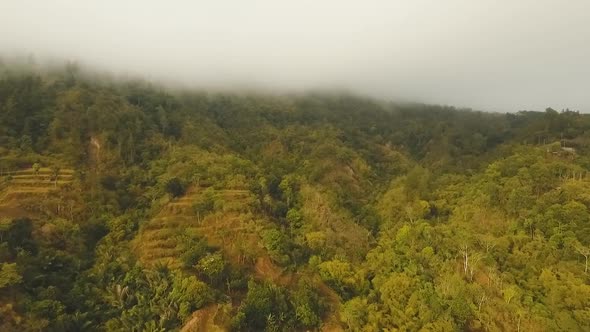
(127, 206)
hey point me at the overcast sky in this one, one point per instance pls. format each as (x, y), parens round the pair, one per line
(497, 55)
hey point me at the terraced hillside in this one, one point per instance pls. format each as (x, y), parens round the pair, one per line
(19, 187)
(229, 225)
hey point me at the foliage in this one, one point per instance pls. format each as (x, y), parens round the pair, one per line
(375, 216)
(175, 188)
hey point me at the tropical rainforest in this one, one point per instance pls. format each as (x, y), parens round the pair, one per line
(126, 205)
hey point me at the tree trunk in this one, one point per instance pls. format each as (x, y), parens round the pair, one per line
(465, 259)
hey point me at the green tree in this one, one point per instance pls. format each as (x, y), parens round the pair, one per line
(9, 275)
(36, 168)
(175, 187)
(212, 266)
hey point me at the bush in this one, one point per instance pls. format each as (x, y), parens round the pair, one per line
(265, 306)
(175, 187)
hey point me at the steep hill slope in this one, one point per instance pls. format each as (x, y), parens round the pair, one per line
(305, 212)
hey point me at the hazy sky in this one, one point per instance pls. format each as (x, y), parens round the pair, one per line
(499, 55)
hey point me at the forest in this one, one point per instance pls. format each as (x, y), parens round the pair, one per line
(130, 206)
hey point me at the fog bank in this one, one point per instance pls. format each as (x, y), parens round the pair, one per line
(493, 55)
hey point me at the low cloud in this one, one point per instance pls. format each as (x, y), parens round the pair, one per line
(491, 55)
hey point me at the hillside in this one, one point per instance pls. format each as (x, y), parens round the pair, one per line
(127, 206)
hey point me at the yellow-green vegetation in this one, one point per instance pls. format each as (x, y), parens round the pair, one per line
(129, 207)
(22, 191)
(227, 224)
(206, 319)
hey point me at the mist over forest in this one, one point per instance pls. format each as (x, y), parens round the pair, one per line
(501, 56)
